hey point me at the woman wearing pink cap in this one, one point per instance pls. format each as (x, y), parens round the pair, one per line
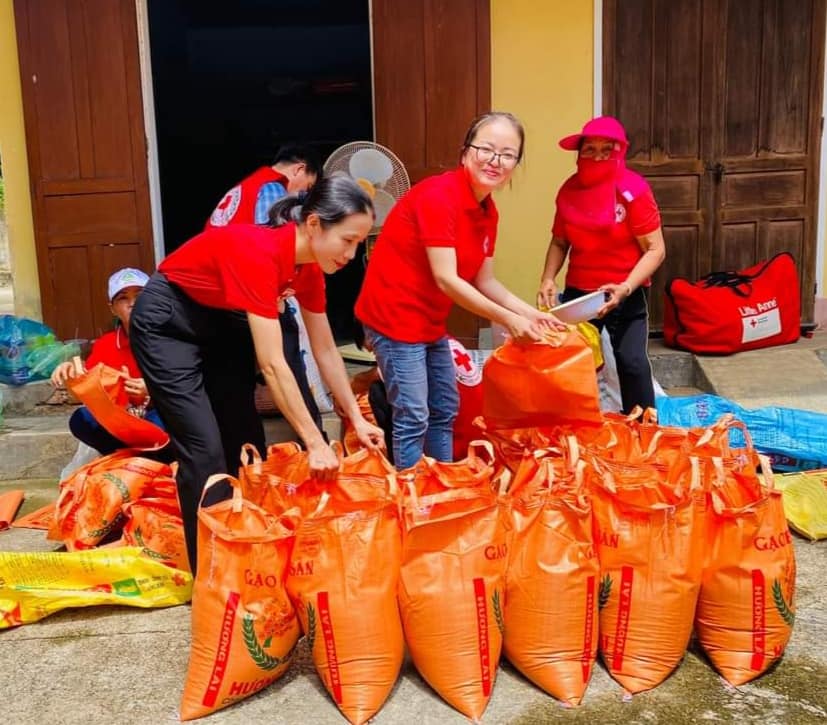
(608, 224)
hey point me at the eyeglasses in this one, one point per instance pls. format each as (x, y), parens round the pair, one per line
(486, 155)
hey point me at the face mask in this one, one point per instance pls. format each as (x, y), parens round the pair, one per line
(591, 172)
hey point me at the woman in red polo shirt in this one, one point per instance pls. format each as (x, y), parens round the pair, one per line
(436, 249)
(210, 314)
(608, 224)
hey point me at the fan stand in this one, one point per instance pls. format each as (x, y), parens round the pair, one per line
(349, 352)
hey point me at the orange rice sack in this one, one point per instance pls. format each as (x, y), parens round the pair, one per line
(541, 384)
(343, 577)
(272, 483)
(650, 568)
(551, 625)
(454, 554)
(746, 608)
(155, 525)
(90, 504)
(244, 628)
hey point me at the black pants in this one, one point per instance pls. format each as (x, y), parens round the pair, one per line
(628, 328)
(199, 367)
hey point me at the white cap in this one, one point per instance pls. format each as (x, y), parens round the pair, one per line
(126, 277)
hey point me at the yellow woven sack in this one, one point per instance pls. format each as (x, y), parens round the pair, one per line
(34, 585)
(805, 502)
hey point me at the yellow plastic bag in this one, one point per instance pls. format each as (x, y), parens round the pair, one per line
(35, 585)
(805, 502)
(591, 335)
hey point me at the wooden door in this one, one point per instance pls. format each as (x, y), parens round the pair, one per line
(87, 153)
(722, 103)
(431, 77)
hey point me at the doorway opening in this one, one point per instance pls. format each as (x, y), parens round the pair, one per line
(232, 85)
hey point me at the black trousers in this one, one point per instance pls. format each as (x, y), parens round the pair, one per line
(628, 328)
(200, 369)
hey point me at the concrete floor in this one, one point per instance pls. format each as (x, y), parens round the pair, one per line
(111, 665)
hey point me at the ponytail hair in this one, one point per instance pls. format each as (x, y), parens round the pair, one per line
(332, 199)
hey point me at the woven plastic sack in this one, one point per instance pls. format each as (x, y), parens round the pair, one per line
(553, 579)
(794, 440)
(272, 483)
(90, 504)
(343, 577)
(34, 585)
(650, 567)
(805, 502)
(541, 384)
(746, 607)
(454, 556)
(155, 525)
(244, 629)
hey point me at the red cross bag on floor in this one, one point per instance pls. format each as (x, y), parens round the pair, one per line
(727, 312)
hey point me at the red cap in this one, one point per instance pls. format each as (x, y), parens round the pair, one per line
(602, 126)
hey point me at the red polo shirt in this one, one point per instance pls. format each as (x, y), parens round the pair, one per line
(245, 267)
(399, 296)
(605, 256)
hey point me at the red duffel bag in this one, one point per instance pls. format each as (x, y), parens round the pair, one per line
(726, 312)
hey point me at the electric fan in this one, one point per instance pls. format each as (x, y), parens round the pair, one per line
(377, 170)
(383, 176)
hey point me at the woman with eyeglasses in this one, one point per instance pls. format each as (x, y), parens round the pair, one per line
(436, 249)
(608, 224)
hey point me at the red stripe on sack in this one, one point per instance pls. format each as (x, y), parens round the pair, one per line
(330, 646)
(481, 605)
(588, 630)
(759, 621)
(627, 574)
(222, 657)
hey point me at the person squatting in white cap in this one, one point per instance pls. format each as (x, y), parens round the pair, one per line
(113, 349)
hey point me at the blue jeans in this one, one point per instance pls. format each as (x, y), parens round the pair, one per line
(422, 392)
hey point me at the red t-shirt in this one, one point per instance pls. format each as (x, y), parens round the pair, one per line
(245, 267)
(399, 296)
(607, 256)
(112, 349)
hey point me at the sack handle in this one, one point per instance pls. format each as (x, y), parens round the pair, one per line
(653, 444)
(253, 457)
(238, 498)
(323, 501)
(605, 475)
(487, 446)
(296, 448)
(766, 469)
(364, 453)
(724, 423)
(574, 450)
